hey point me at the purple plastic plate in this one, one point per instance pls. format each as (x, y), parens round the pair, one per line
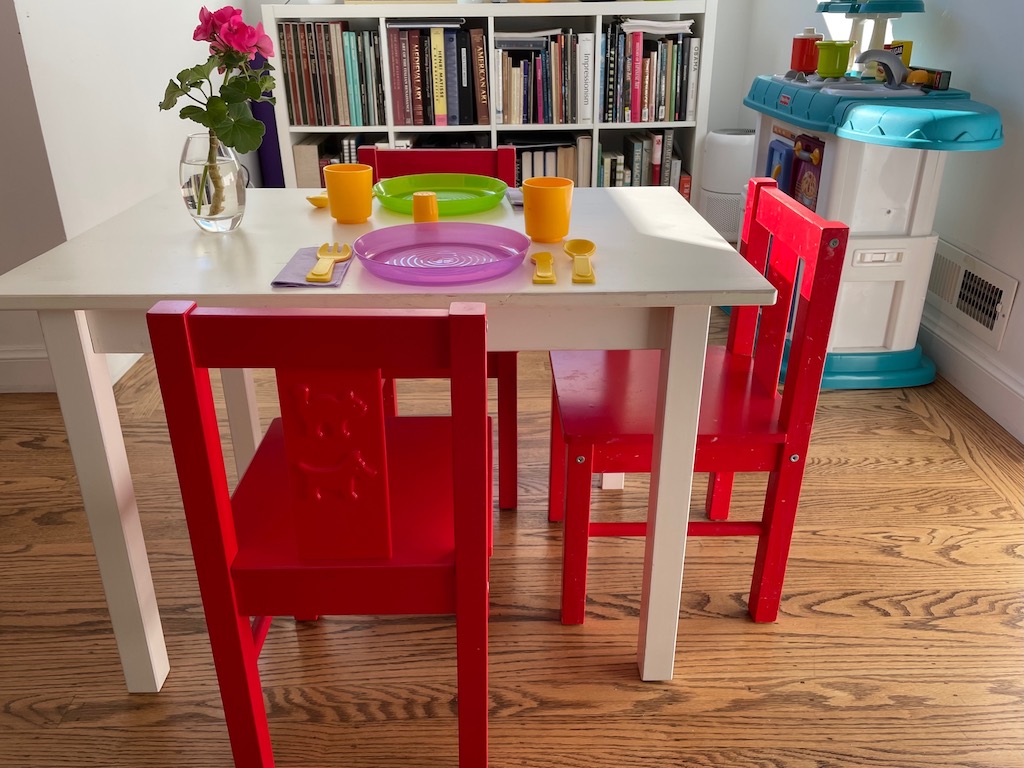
(441, 253)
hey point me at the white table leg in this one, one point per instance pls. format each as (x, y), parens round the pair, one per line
(97, 446)
(682, 366)
(243, 414)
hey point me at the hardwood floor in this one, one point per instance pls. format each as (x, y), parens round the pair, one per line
(900, 643)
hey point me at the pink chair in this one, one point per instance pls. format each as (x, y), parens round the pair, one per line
(603, 403)
(500, 164)
(344, 509)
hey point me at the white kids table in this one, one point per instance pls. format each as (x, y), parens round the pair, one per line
(660, 268)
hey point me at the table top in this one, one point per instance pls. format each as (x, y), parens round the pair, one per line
(653, 250)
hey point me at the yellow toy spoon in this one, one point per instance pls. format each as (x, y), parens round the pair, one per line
(580, 251)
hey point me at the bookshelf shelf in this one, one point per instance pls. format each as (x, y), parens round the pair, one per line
(372, 21)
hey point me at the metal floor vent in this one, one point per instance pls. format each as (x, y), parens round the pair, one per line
(970, 292)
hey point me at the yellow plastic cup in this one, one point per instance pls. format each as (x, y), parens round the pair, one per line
(547, 205)
(424, 206)
(349, 191)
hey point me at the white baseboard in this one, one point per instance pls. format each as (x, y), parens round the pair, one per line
(26, 369)
(973, 368)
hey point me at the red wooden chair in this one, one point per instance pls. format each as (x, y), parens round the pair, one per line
(500, 164)
(603, 404)
(344, 509)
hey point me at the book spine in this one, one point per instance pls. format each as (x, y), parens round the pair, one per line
(362, 41)
(621, 87)
(319, 29)
(600, 56)
(657, 140)
(662, 72)
(451, 75)
(667, 138)
(416, 76)
(645, 90)
(670, 80)
(498, 91)
(479, 64)
(466, 101)
(340, 71)
(351, 70)
(691, 86)
(683, 76)
(395, 72)
(438, 78)
(428, 77)
(636, 77)
(308, 111)
(288, 69)
(406, 76)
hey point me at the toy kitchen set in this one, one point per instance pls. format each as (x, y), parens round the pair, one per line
(870, 153)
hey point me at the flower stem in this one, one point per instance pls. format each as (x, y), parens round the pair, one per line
(212, 169)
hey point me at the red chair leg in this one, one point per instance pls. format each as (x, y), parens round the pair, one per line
(719, 495)
(556, 464)
(576, 533)
(773, 544)
(471, 647)
(508, 429)
(234, 657)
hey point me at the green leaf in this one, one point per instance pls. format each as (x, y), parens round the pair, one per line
(267, 83)
(218, 110)
(171, 95)
(238, 90)
(196, 76)
(239, 129)
(192, 112)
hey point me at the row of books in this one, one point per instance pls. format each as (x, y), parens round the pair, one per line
(544, 77)
(647, 76)
(646, 159)
(332, 75)
(438, 75)
(568, 156)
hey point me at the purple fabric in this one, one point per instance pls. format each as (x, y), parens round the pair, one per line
(294, 273)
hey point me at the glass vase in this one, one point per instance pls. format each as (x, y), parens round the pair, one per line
(212, 183)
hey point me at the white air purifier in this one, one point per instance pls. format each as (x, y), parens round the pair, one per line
(728, 158)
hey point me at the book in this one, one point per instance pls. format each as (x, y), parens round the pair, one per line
(288, 74)
(636, 40)
(584, 159)
(406, 65)
(415, 76)
(565, 163)
(437, 76)
(465, 81)
(693, 61)
(658, 27)
(324, 64)
(306, 155)
(498, 89)
(667, 139)
(340, 76)
(308, 110)
(348, 41)
(478, 53)
(656, 140)
(633, 154)
(585, 78)
(451, 75)
(395, 73)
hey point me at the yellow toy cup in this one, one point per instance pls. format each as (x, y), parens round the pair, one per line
(349, 191)
(424, 206)
(834, 57)
(547, 204)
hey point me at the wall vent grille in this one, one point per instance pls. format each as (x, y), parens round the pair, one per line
(972, 293)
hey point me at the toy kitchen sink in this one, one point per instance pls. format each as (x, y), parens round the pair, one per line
(870, 154)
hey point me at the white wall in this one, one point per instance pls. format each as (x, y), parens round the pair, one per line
(980, 208)
(96, 72)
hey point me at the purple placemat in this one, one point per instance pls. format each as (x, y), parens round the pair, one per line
(294, 273)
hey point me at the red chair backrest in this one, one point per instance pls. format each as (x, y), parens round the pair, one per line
(499, 163)
(802, 255)
(328, 365)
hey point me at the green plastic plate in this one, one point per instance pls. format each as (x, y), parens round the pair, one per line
(457, 193)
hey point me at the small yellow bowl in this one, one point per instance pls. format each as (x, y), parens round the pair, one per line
(318, 201)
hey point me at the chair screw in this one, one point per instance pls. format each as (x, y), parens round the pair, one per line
(833, 243)
(795, 457)
(580, 459)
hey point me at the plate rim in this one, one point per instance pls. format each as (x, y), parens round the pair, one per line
(494, 192)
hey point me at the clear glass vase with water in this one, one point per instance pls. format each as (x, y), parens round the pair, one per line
(212, 183)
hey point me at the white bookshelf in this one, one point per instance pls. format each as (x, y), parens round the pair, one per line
(581, 16)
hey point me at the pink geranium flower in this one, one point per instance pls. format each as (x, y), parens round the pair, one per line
(264, 45)
(211, 22)
(236, 34)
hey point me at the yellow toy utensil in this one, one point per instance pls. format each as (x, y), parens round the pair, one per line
(544, 273)
(326, 256)
(580, 251)
(318, 201)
